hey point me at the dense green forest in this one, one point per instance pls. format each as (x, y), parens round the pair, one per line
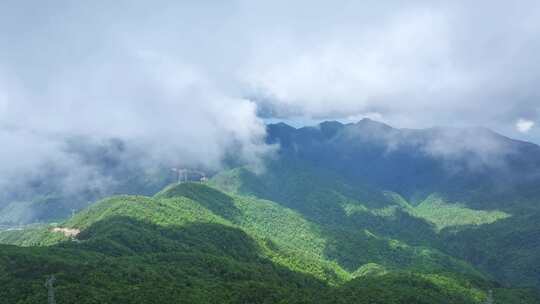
(502, 244)
(195, 244)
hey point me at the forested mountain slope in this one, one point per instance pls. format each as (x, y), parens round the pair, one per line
(193, 244)
(470, 193)
(356, 213)
(474, 166)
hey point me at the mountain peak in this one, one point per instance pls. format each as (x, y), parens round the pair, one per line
(368, 122)
(330, 123)
(330, 128)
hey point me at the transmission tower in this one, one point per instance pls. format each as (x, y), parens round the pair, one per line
(49, 284)
(182, 174)
(489, 299)
(179, 172)
(203, 177)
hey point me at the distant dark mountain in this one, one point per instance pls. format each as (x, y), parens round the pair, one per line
(474, 166)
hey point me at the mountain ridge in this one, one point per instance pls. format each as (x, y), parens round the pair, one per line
(364, 122)
(339, 207)
(189, 225)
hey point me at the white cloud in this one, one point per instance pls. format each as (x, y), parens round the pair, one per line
(351, 71)
(524, 125)
(418, 65)
(176, 81)
(168, 112)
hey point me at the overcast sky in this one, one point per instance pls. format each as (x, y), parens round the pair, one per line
(190, 79)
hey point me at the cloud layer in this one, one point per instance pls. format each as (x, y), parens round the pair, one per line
(190, 82)
(524, 125)
(417, 65)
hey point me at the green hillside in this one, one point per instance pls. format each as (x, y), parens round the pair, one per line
(502, 244)
(194, 244)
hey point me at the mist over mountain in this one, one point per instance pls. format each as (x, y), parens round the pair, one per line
(471, 165)
(352, 205)
(471, 193)
(260, 152)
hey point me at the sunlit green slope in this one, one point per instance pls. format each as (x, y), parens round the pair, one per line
(500, 243)
(194, 244)
(333, 253)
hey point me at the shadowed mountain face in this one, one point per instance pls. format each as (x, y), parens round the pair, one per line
(474, 166)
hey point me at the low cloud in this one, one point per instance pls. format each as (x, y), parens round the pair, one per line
(168, 107)
(524, 125)
(164, 113)
(458, 149)
(187, 83)
(418, 64)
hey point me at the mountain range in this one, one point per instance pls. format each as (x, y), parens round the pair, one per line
(341, 213)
